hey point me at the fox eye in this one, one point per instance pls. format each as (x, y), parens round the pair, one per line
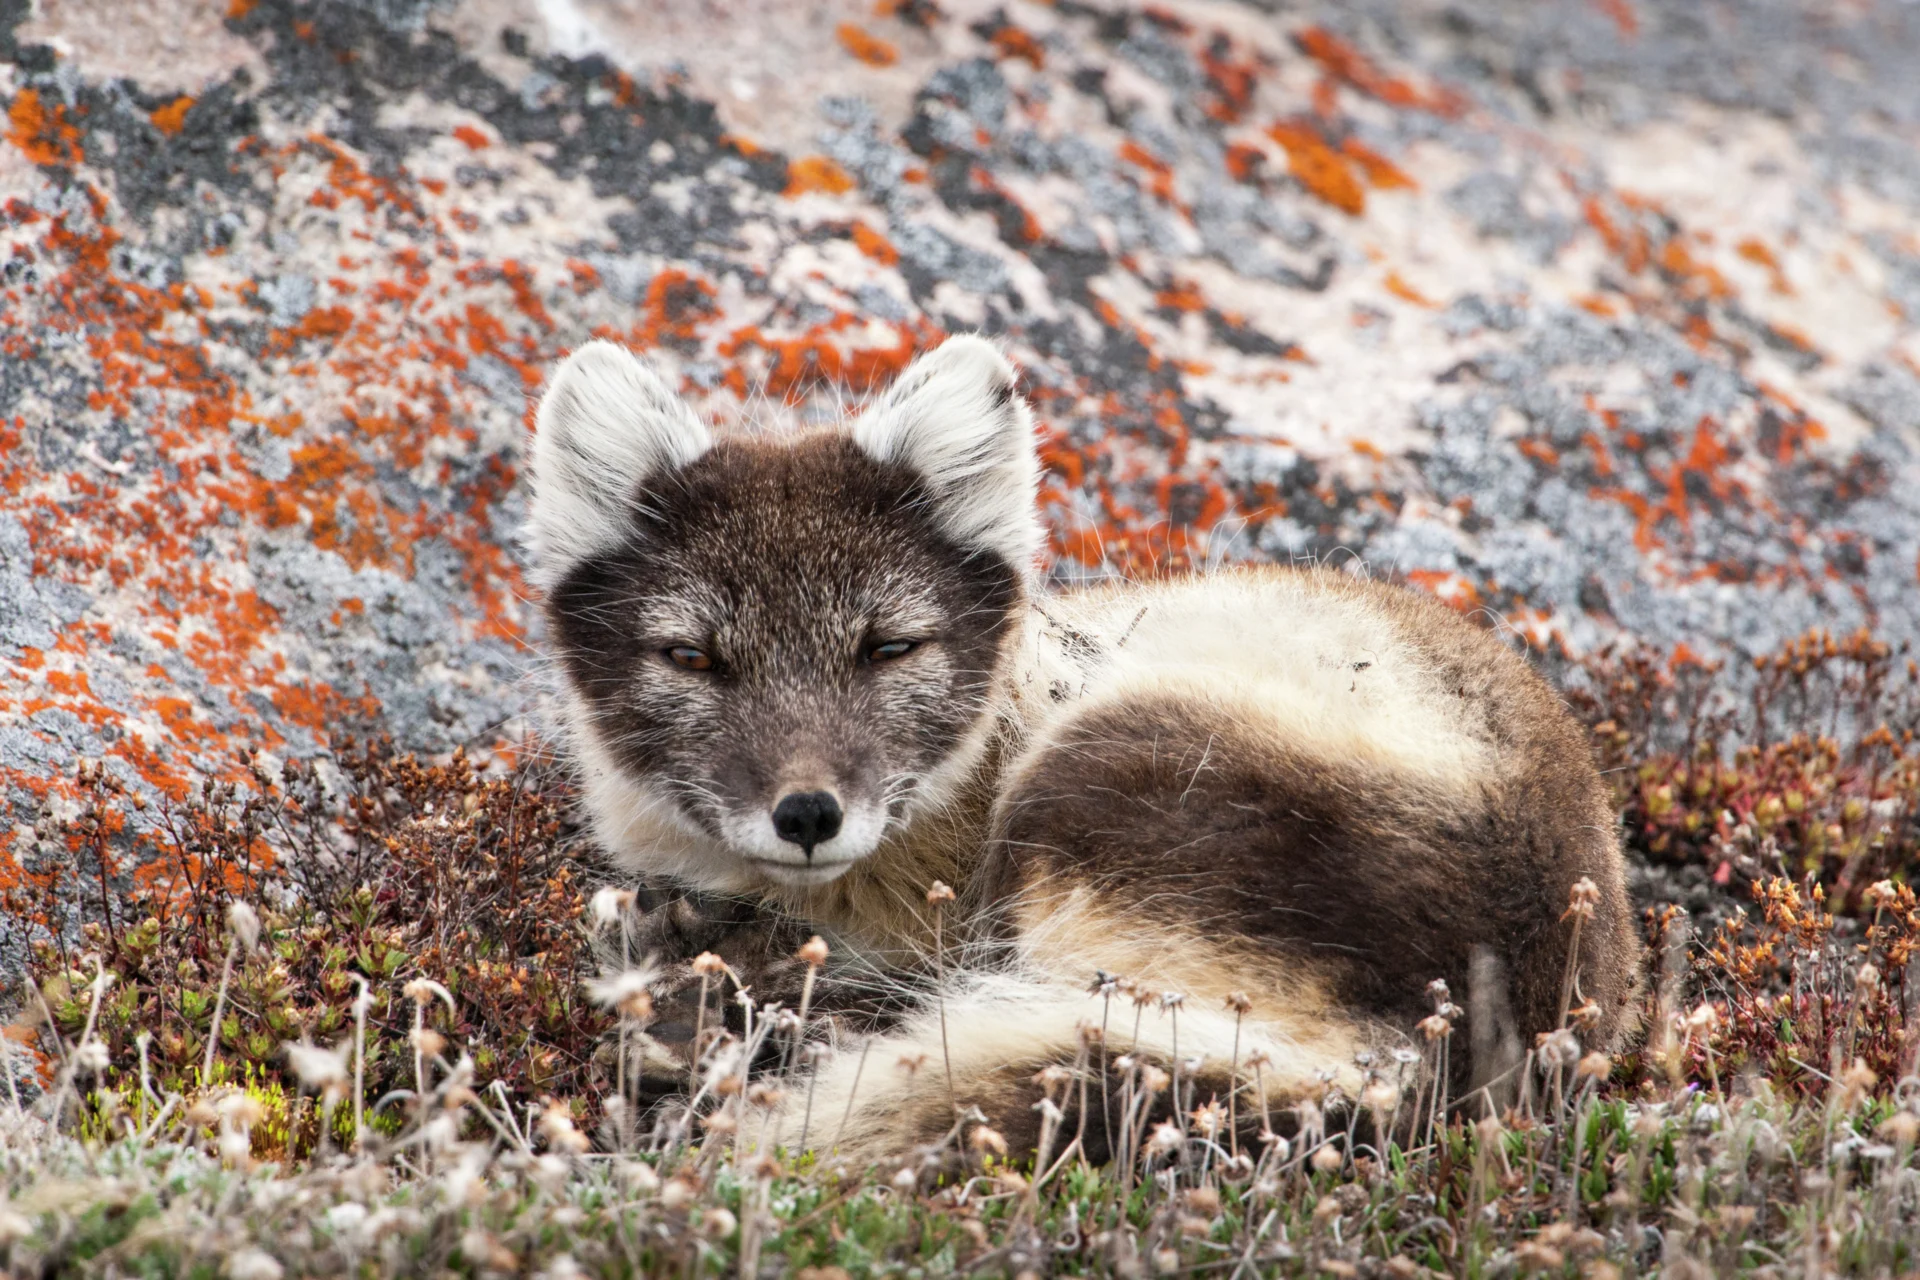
(889, 650)
(685, 655)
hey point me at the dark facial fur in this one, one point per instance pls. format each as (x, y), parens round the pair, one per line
(784, 564)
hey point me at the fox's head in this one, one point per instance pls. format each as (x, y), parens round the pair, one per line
(779, 648)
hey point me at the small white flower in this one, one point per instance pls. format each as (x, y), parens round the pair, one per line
(91, 1058)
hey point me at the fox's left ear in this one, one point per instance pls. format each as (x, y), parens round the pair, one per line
(955, 417)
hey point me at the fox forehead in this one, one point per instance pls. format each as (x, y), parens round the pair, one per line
(782, 542)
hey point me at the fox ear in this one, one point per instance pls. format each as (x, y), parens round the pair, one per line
(954, 417)
(605, 424)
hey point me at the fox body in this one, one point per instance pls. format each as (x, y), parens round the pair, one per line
(817, 672)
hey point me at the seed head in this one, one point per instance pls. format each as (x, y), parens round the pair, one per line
(718, 1223)
(626, 993)
(985, 1139)
(1209, 1119)
(1153, 1079)
(813, 951)
(608, 905)
(1327, 1158)
(911, 1062)
(321, 1070)
(1703, 1019)
(1559, 1049)
(1381, 1095)
(1238, 1002)
(423, 990)
(1596, 1065)
(1051, 1078)
(241, 1110)
(429, 1042)
(707, 964)
(91, 1058)
(253, 1264)
(1435, 1027)
(1582, 901)
(1166, 1138)
(939, 893)
(557, 1127)
(244, 923)
(1171, 1000)
(1866, 979)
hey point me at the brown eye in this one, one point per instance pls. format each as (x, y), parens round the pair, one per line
(890, 650)
(685, 655)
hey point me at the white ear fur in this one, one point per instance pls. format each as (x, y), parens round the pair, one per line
(954, 417)
(605, 424)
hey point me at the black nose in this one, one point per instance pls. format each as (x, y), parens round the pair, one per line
(806, 818)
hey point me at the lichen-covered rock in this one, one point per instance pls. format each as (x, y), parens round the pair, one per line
(1603, 317)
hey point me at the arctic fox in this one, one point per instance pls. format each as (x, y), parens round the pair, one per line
(820, 672)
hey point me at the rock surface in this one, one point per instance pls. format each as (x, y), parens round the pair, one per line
(1600, 315)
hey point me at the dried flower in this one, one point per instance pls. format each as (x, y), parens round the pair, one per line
(939, 893)
(707, 964)
(813, 951)
(1239, 1002)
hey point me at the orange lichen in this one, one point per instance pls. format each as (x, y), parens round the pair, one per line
(1351, 67)
(1319, 168)
(1623, 15)
(817, 173)
(1244, 161)
(874, 245)
(43, 132)
(1381, 172)
(1159, 172)
(474, 139)
(1397, 286)
(870, 49)
(1017, 42)
(171, 118)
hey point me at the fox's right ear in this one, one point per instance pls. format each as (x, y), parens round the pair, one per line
(605, 424)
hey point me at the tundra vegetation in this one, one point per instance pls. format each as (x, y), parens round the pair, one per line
(365, 1015)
